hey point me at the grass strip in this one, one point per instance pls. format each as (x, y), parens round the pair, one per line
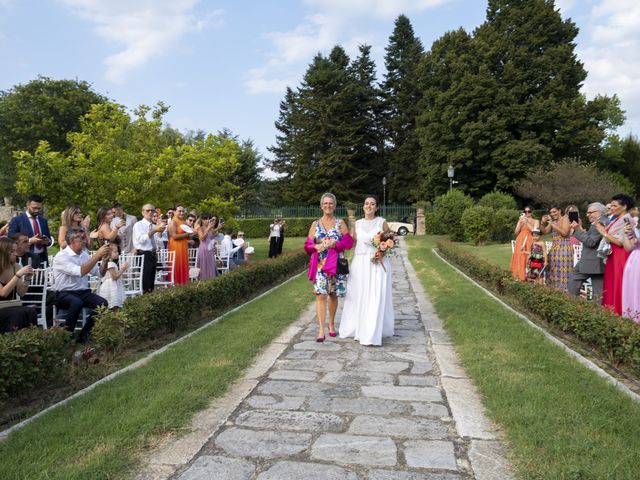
(102, 434)
(561, 420)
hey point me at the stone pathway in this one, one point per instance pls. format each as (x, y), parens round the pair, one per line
(339, 410)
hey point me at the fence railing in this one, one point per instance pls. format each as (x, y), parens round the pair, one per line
(390, 212)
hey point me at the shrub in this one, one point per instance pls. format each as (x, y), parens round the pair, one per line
(615, 338)
(31, 356)
(430, 224)
(503, 225)
(109, 330)
(476, 222)
(448, 211)
(498, 200)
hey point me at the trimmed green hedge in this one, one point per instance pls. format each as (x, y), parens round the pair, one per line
(30, 357)
(615, 338)
(259, 227)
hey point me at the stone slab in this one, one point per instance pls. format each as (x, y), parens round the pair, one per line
(261, 444)
(383, 367)
(467, 410)
(488, 460)
(207, 467)
(302, 375)
(355, 449)
(358, 378)
(448, 361)
(373, 406)
(281, 403)
(435, 454)
(300, 354)
(308, 471)
(420, 368)
(307, 389)
(288, 420)
(318, 346)
(416, 380)
(398, 427)
(411, 394)
(314, 365)
(430, 410)
(398, 475)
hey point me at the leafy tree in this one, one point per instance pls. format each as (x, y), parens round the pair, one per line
(40, 110)
(570, 181)
(448, 210)
(402, 94)
(498, 200)
(118, 158)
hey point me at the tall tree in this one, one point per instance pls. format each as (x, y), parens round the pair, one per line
(402, 94)
(42, 109)
(247, 176)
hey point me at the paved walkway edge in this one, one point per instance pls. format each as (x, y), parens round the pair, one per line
(582, 360)
(173, 454)
(487, 453)
(137, 364)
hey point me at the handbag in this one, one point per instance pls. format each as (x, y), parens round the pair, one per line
(343, 266)
(10, 303)
(604, 248)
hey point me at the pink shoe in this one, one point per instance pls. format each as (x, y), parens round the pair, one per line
(332, 334)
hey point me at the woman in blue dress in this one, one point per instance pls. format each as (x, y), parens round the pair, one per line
(328, 238)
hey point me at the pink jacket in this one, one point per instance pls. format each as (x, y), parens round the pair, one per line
(331, 263)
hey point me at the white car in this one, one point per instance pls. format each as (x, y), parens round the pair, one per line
(401, 228)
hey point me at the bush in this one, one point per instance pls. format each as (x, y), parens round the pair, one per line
(503, 225)
(430, 224)
(448, 211)
(476, 222)
(498, 200)
(617, 339)
(259, 227)
(31, 356)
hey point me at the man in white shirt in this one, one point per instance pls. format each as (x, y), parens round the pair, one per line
(71, 268)
(126, 231)
(143, 242)
(227, 249)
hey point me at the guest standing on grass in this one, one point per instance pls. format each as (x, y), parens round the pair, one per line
(523, 242)
(274, 238)
(71, 217)
(631, 276)
(561, 251)
(589, 265)
(145, 241)
(537, 258)
(283, 227)
(328, 237)
(367, 315)
(615, 261)
(179, 243)
(207, 249)
(112, 287)
(105, 233)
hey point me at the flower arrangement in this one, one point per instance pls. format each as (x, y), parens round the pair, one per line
(385, 244)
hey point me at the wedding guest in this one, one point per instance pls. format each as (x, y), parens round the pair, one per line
(560, 254)
(227, 249)
(35, 226)
(207, 249)
(71, 269)
(631, 275)
(179, 243)
(367, 315)
(523, 229)
(14, 281)
(328, 237)
(71, 217)
(537, 258)
(112, 287)
(104, 233)
(145, 241)
(125, 231)
(23, 255)
(274, 238)
(194, 241)
(589, 265)
(615, 261)
(573, 214)
(283, 227)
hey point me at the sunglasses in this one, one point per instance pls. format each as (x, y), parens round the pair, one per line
(527, 211)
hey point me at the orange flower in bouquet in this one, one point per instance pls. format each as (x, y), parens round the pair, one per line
(385, 244)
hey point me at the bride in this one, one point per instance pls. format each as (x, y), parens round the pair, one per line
(368, 315)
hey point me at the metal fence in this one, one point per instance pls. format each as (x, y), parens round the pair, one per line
(390, 212)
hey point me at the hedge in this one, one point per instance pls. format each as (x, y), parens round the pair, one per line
(30, 357)
(259, 227)
(615, 338)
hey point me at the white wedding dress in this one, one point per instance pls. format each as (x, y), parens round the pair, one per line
(367, 315)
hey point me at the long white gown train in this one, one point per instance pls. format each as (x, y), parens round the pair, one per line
(367, 314)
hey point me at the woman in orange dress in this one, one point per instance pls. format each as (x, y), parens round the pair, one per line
(179, 243)
(524, 239)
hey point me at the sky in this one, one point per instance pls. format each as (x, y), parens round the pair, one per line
(225, 64)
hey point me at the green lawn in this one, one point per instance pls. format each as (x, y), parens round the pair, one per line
(561, 420)
(101, 435)
(498, 253)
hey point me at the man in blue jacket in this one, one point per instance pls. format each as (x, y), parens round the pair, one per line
(35, 226)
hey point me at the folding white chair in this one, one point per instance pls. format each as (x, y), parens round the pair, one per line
(132, 276)
(222, 262)
(36, 295)
(166, 268)
(577, 253)
(513, 245)
(193, 257)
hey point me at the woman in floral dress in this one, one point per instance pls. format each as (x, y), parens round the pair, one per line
(561, 252)
(328, 238)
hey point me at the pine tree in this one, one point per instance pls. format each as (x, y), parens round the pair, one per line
(402, 95)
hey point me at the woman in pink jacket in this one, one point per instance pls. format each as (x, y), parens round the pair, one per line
(328, 238)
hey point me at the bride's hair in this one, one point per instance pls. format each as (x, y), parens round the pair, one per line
(371, 195)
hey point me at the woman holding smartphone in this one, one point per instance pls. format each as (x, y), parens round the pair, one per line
(526, 224)
(561, 252)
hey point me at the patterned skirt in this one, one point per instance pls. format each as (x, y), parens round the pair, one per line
(560, 264)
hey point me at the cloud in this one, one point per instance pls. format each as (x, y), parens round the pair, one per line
(328, 22)
(611, 56)
(144, 29)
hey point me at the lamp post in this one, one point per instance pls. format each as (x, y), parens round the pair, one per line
(384, 195)
(450, 173)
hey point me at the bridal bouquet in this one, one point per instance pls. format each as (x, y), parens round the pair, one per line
(385, 244)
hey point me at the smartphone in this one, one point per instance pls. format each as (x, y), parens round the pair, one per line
(630, 234)
(574, 217)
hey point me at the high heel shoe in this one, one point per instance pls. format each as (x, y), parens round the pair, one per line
(321, 339)
(333, 334)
